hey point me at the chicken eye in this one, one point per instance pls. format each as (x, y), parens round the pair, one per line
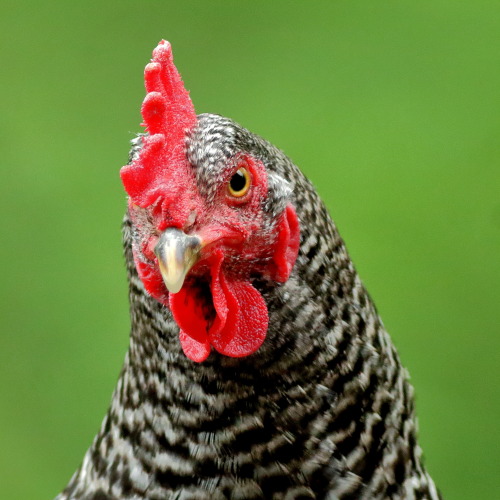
(239, 183)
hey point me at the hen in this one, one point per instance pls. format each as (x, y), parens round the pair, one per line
(258, 367)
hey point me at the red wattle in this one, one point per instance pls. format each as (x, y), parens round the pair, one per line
(241, 320)
(189, 314)
(246, 323)
(241, 317)
(195, 351)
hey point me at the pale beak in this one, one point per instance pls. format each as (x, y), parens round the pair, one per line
(177, 253)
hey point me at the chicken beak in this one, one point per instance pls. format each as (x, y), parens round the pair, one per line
(177, 253)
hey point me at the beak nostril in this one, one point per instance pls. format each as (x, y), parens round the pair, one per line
(190, 220)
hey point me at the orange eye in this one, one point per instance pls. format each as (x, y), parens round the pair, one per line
(240, 183)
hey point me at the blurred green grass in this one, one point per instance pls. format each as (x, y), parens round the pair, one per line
(391, 108)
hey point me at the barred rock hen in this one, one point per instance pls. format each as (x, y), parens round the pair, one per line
(258, 367)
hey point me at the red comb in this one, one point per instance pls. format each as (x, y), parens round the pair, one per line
(168, 112)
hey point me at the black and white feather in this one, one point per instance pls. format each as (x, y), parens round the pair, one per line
(322, 410)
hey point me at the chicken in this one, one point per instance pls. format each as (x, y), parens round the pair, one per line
(258, 367)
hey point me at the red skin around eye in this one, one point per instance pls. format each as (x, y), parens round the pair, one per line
(161, 180)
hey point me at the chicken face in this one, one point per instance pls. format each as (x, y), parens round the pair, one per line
(208, 218)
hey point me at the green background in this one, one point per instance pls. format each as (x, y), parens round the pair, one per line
(392, 108)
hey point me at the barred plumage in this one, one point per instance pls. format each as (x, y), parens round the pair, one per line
(322, 410)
